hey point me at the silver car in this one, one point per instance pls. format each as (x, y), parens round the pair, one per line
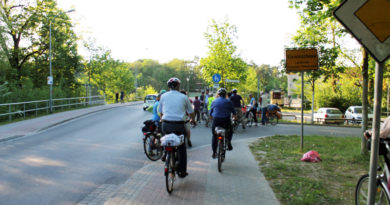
(354, 114)
(329, 115)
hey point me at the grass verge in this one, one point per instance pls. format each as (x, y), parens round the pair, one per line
(331, 181)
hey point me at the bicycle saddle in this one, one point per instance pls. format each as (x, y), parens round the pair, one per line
(220, 131)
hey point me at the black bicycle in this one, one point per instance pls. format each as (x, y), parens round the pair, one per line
(151, 141)
(382, 194)
(221, 149)
(170, 170)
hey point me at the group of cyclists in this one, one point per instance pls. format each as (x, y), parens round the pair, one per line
(172, 110)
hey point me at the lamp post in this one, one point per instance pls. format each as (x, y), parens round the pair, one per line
(50, 78)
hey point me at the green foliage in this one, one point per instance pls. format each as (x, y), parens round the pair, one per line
(221, 55)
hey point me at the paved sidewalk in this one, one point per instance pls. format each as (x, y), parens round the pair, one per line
(240, 182)
(31, 126)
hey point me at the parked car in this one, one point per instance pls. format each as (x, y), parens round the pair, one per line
(354, 114)
(329, 115)
(149, 101)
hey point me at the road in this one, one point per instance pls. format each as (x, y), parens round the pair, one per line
(65, 163)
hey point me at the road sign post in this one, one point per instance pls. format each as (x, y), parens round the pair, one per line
(301, 60)
(369, 22)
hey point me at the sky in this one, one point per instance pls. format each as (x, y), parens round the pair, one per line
(166, 29)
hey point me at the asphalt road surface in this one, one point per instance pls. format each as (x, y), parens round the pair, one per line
(65, 163)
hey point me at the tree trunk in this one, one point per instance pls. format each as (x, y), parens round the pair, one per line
(364, 101)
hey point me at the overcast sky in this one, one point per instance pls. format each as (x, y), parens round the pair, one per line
(167, 29)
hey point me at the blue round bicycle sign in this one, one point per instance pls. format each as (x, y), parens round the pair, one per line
(216, 78)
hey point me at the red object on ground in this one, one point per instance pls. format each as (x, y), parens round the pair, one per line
(311, 156)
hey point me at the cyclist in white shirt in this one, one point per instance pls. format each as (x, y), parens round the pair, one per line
(173, 108)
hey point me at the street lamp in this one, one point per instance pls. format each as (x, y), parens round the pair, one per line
(50, 78)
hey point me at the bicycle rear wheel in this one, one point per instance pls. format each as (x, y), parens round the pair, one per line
(152, 148)
(250, 119)
(169, 172)
(361, 192)
(220, 155)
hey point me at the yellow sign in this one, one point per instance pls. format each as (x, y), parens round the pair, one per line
(375, 14)
(301, 59)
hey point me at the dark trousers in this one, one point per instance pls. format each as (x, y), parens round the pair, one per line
(263, 115)
(221, 122)
(178, 129)
(253, 111)
(197, 115)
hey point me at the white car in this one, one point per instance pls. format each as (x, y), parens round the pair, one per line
(149, 101)
(354, 114)
(329, 115)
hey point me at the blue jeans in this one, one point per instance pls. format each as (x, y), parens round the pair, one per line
(263, 116)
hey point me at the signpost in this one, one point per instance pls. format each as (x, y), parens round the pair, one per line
(301, 60)
(369, 22)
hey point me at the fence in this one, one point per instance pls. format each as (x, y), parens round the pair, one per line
(20, 109)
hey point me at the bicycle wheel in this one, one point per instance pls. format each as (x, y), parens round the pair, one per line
(220, 153)
(361, 192)
(235, 125)
(169, 172)
(249, 122)
(273, 120)
(152, 148)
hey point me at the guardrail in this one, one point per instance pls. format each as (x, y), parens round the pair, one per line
(21, 108)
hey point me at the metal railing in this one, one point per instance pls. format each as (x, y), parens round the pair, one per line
(23, 108)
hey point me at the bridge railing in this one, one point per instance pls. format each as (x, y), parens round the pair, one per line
(22, 109)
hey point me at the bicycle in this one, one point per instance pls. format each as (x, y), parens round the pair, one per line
(204, 116)
(249, 116)
(171, 143)
(151, 141)
(382, 195)
(235, 124)
(272, 118)
(221, 149)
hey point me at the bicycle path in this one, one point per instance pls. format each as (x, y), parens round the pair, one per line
(31, 126)
(241, 182)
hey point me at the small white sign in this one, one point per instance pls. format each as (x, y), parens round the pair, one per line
(50, 80)
(216, 85)
(232, 81)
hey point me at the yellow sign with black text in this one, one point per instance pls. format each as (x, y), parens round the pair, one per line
(301, 59)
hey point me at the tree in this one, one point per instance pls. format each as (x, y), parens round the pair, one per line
(221, 55)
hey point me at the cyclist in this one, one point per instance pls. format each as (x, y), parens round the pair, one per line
(273, 109)
(188, 127)
(238, 102)
(220, 112)
(156, 116)
(173, 108)
(253, 108)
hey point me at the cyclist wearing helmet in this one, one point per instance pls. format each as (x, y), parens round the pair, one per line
(220, 112)
(173, 108)
(238, 102)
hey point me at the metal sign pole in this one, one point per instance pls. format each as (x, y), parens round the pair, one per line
(302, 101)
(375, 136)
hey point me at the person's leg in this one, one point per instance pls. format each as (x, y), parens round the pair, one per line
(263, 117)
(254, 115)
